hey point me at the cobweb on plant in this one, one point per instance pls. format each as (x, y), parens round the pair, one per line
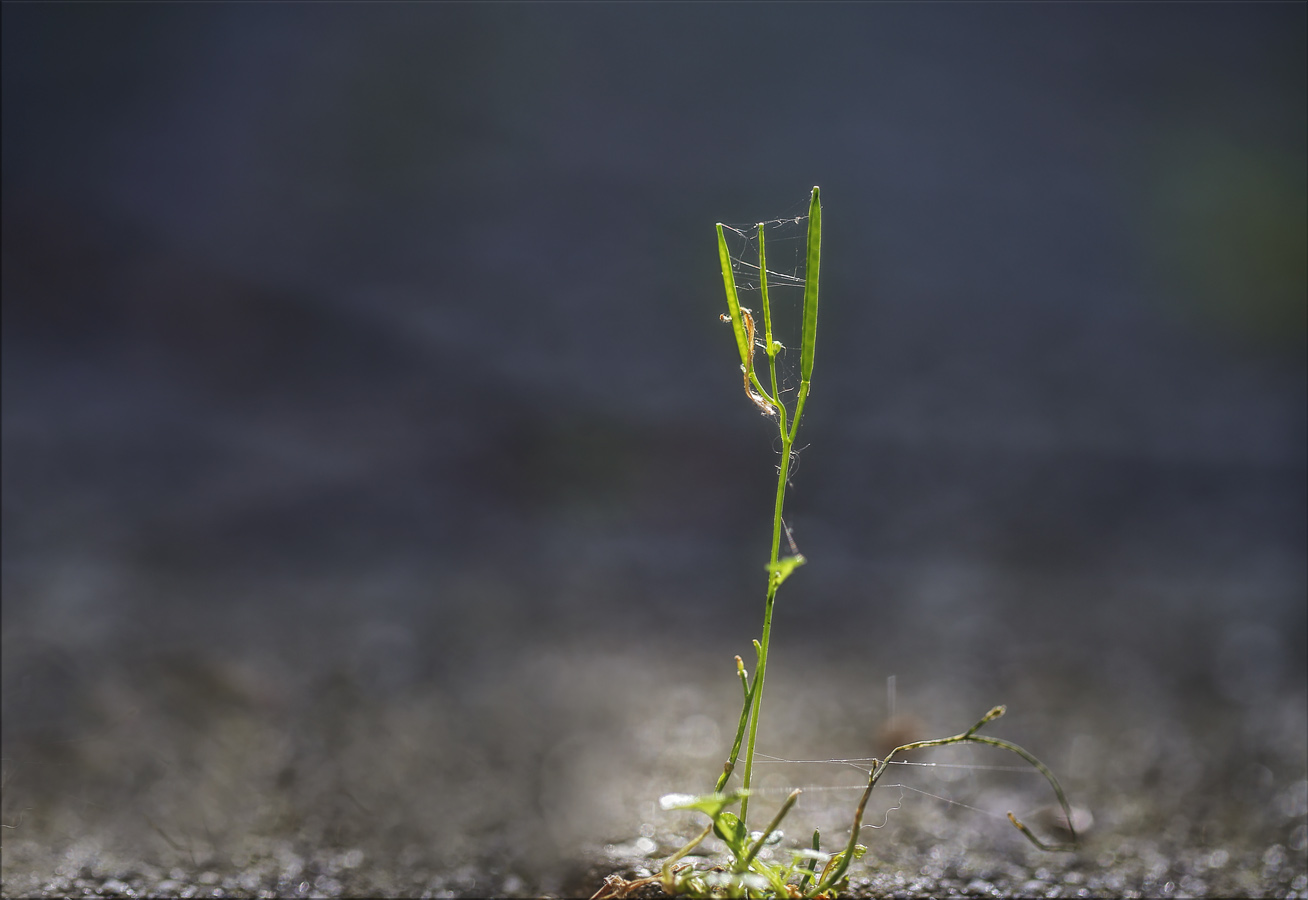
(917, 789)
(785, 240)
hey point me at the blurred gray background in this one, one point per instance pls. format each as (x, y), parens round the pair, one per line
(375, 466)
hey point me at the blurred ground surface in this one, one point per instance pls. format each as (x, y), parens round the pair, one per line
(540, 775)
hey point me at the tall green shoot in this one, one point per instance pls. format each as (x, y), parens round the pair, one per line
(750, 875)
(787, 426)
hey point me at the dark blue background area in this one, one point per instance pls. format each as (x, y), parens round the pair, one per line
(386, 337)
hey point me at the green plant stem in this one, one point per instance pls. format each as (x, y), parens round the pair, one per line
(783, 474)
(771, 403)
(730, 765)
(767, 316)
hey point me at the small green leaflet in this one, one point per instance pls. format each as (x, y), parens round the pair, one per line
(709, 804)
(782, 568)
(727, 826)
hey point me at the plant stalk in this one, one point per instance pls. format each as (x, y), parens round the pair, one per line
(783, 475)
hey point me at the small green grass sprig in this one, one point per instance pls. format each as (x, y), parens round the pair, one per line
(749, 875)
